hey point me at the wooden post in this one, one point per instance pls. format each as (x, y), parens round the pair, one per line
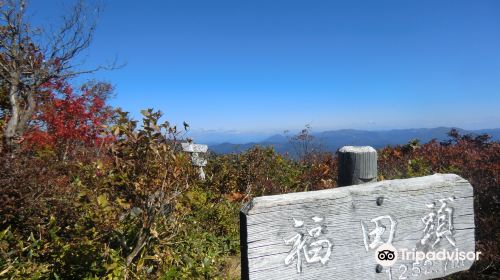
(195, 150)
(357, 165)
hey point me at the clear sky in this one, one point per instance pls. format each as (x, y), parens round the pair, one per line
(270, 65)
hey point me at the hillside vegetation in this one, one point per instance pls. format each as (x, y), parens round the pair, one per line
(126, 203)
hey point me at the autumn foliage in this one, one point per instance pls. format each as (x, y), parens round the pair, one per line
(99, 195)
(476, 159)
(67, 119)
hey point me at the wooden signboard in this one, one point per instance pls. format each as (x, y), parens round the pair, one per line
(194, 148)
(337, 233)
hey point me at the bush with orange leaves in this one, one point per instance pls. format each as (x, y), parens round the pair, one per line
(477, 160)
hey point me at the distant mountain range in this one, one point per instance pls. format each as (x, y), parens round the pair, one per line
(335, 139)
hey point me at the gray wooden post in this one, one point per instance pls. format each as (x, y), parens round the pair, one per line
(357, 165)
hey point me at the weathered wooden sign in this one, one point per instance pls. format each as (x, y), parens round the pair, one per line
(338, 233)
(195, 150)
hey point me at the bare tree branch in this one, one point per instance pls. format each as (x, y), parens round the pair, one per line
(25, 67)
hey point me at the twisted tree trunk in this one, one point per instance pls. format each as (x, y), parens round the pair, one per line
(22, 109)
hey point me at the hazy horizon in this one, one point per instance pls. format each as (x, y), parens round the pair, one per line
(244, 137)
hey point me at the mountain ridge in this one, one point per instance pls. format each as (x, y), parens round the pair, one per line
(331, 140)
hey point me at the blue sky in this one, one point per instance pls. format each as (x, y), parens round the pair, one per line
(271, 65)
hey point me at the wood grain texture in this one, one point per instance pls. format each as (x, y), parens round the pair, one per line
(194, 148)
(357, 165)
(268, 223)
(197, 160)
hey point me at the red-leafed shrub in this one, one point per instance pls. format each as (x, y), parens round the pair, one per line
(67, 120)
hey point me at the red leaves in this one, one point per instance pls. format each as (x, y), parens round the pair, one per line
(68, 118)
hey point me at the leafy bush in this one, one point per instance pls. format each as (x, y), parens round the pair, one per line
(135, 208)
(94, 217)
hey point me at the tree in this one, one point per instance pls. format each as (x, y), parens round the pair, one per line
(302, 143)
(27, 64)
(67, 119)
